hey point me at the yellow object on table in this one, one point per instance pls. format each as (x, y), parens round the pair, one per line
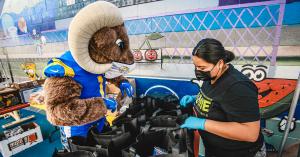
(36, 100)
(110, 117)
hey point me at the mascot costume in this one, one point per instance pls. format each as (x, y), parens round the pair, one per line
(76, 81)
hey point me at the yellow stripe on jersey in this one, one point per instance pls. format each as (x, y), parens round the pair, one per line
(100, 80)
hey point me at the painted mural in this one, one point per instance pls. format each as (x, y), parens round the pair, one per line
(25, 17)
(233, 2)
(275, 97)
(22, 17)
(30, 70)
(146, 53)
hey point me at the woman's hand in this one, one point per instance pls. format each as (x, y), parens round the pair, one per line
(194, 123)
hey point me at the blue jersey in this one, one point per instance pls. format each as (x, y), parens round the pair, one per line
(93, 85)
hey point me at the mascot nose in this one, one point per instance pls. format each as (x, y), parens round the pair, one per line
(131, 58)
(127, 57)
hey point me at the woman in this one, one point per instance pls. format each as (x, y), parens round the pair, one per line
(226, 108)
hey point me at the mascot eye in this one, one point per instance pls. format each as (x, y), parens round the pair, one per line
(120, 43)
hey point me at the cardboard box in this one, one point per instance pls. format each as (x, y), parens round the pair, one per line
(9, 97)
(12, 145)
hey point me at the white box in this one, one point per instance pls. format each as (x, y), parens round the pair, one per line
(20, 142)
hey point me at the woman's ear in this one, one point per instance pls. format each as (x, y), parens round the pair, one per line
(221, 64)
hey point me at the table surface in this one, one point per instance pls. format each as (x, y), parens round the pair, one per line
(8, 90)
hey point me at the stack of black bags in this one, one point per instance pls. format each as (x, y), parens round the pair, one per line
(149, 127)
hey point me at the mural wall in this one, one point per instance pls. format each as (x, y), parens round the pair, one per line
(22, 18)
(258, 33)
(264, 35)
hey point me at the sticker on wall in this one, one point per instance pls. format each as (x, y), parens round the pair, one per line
(151, 55)
(274, 95)
(256, 73)
(22, 25)
(22, 17)
(146, 53)
(39, 41)
(138, 56)
(30, 70)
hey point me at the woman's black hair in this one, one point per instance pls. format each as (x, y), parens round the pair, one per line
(212, 50)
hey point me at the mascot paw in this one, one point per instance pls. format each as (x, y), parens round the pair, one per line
(127, 87)
(110, 103)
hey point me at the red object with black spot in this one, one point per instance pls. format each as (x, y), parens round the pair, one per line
(137, 55)
(150, 55)
(272, 91)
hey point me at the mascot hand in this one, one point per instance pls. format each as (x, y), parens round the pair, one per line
(127, 87)
(111, 104)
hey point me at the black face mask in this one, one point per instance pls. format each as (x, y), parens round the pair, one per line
(204, 75)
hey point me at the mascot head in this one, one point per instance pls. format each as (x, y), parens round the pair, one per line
(99, 42)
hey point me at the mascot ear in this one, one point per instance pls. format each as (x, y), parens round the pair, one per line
(100, 14)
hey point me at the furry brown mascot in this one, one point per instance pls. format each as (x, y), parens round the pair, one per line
(99, 52)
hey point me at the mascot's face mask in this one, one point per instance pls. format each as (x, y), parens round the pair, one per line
(99, 42)
(118, 69)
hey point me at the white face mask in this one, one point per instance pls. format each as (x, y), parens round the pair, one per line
(119, 69)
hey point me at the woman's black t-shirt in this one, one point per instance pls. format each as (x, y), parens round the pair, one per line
(232, 98)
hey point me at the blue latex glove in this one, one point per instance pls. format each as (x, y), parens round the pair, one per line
(127, 87)
(111, 104)
(187, 100)
(194, 123)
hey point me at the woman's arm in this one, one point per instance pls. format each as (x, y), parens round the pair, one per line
(233, 130)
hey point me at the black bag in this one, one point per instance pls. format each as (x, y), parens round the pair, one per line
(164, 121)
(78, 143)
(168, 112)
(139, 106)
(114, 141)
(80, 153)
(168, 120)
(149, 125)
(169, 102)
(130, 124)
(172, 141)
